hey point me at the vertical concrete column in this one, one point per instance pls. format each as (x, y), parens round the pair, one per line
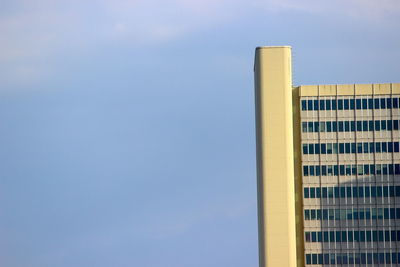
(275, 167)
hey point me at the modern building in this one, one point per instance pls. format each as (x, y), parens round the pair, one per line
(328, 167)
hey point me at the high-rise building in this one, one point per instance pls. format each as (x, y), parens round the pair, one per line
(328, 167)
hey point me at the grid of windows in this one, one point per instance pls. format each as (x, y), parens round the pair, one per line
(349, 126)
(350, 148)
(350, 104)
(352, 214)
(352, 236)
(351, 169)
(390, 257)
(368, 176)
(352, 191)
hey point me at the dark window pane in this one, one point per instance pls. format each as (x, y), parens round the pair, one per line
(370, 103)
(388, 102)
(364, 104)
(346, 104)
(395, 102)
(315, 104)
(303, 105)
(358, 103)
(340, 104)
(383, 103)
(328, 104)
(376, 100)
(322, 105)
(310, 105)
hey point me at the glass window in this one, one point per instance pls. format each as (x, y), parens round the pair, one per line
(329, 170)
(377, 126)
(395, 125)
(358, 103)
(364, 103)
(335, 148)
(352, 104)
(311, 170)
(348, 169)
(322, 127)
(312, 192)
(370, 103)
(353, 126)
(389, 125)
(353, 148)
(313, 215)
(334, 126)
(329, 148)
(335, 170)
(317, 149)
(315, 104)
(306, 192)
(365, 146)
(310, 104)
(366, 169)
(318, 195)
(376, 100)
(323, 150)
(347, 148)
(365, 126)
(305, 149)
(383, 125)
(396, 147)
(311, 149)
(383, 103)
(316, 127)
(329, 126)
(384, 147)
(334, 104)
(305, 170)
(359, 126)
(341, 148)
(322, 105)
(346, 104)
(341, 127)
(389, 103)
(310, 127)
(371, 125)
(303, 105)
(347, 126)
(341, 168)
(340, 104)
(359, 148)
(328, 104)
(317, 170)
(308, 258)
(324, 192)
(304, 127)
(395, 102)
(378, 147)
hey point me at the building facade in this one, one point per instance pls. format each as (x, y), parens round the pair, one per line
(343, 171)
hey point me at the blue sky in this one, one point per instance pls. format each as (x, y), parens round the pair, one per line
(127, 127)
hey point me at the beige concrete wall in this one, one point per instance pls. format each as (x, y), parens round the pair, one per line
(275, 170)
(349, 89)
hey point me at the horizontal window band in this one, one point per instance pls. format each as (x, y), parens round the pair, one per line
(350, 148)
(349, 104)
(349, 126)
(345, 170)
(352, 236)
(352, 191)
(392, 257)
(351, 214)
